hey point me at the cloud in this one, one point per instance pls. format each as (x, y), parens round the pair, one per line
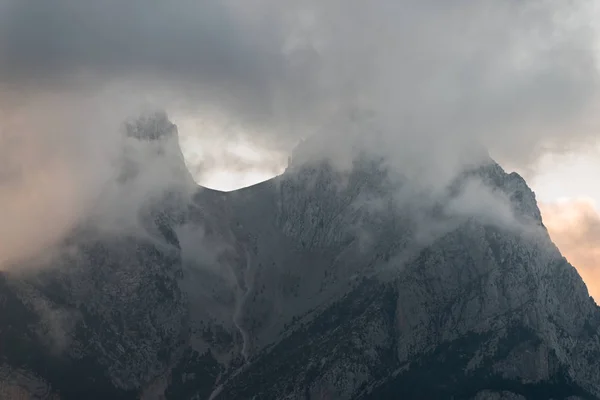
(513, 75)
(574, 225)
(40, 188)
(62, 162)
(190, 54)
(421, 82)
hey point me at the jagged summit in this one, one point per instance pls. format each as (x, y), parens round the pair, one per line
(151, 126)
(470, 175)
(151, 153)
(341, 148)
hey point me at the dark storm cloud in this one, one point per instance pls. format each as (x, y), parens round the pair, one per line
(188, 38)
(206, 53)
(431, 69)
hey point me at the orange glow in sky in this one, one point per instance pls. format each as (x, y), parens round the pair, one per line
(574, 226)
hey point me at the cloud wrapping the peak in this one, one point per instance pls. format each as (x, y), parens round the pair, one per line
(418, 81)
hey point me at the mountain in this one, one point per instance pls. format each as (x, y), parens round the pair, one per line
(318, 284)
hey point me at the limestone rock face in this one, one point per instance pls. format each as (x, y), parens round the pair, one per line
(321, 283)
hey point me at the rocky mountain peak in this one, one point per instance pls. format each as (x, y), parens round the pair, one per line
(151, 153)
(151, 126)
(328, 281)
(512, 186)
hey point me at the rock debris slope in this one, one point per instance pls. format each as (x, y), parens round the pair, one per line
(317, 284)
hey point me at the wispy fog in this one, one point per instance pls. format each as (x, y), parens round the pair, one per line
(421, 82)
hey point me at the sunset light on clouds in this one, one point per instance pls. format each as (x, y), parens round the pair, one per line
(568, 192)
(574, 226)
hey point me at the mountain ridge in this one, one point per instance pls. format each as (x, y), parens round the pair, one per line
(320, 283)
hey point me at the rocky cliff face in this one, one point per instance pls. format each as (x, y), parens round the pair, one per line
(320, 284)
